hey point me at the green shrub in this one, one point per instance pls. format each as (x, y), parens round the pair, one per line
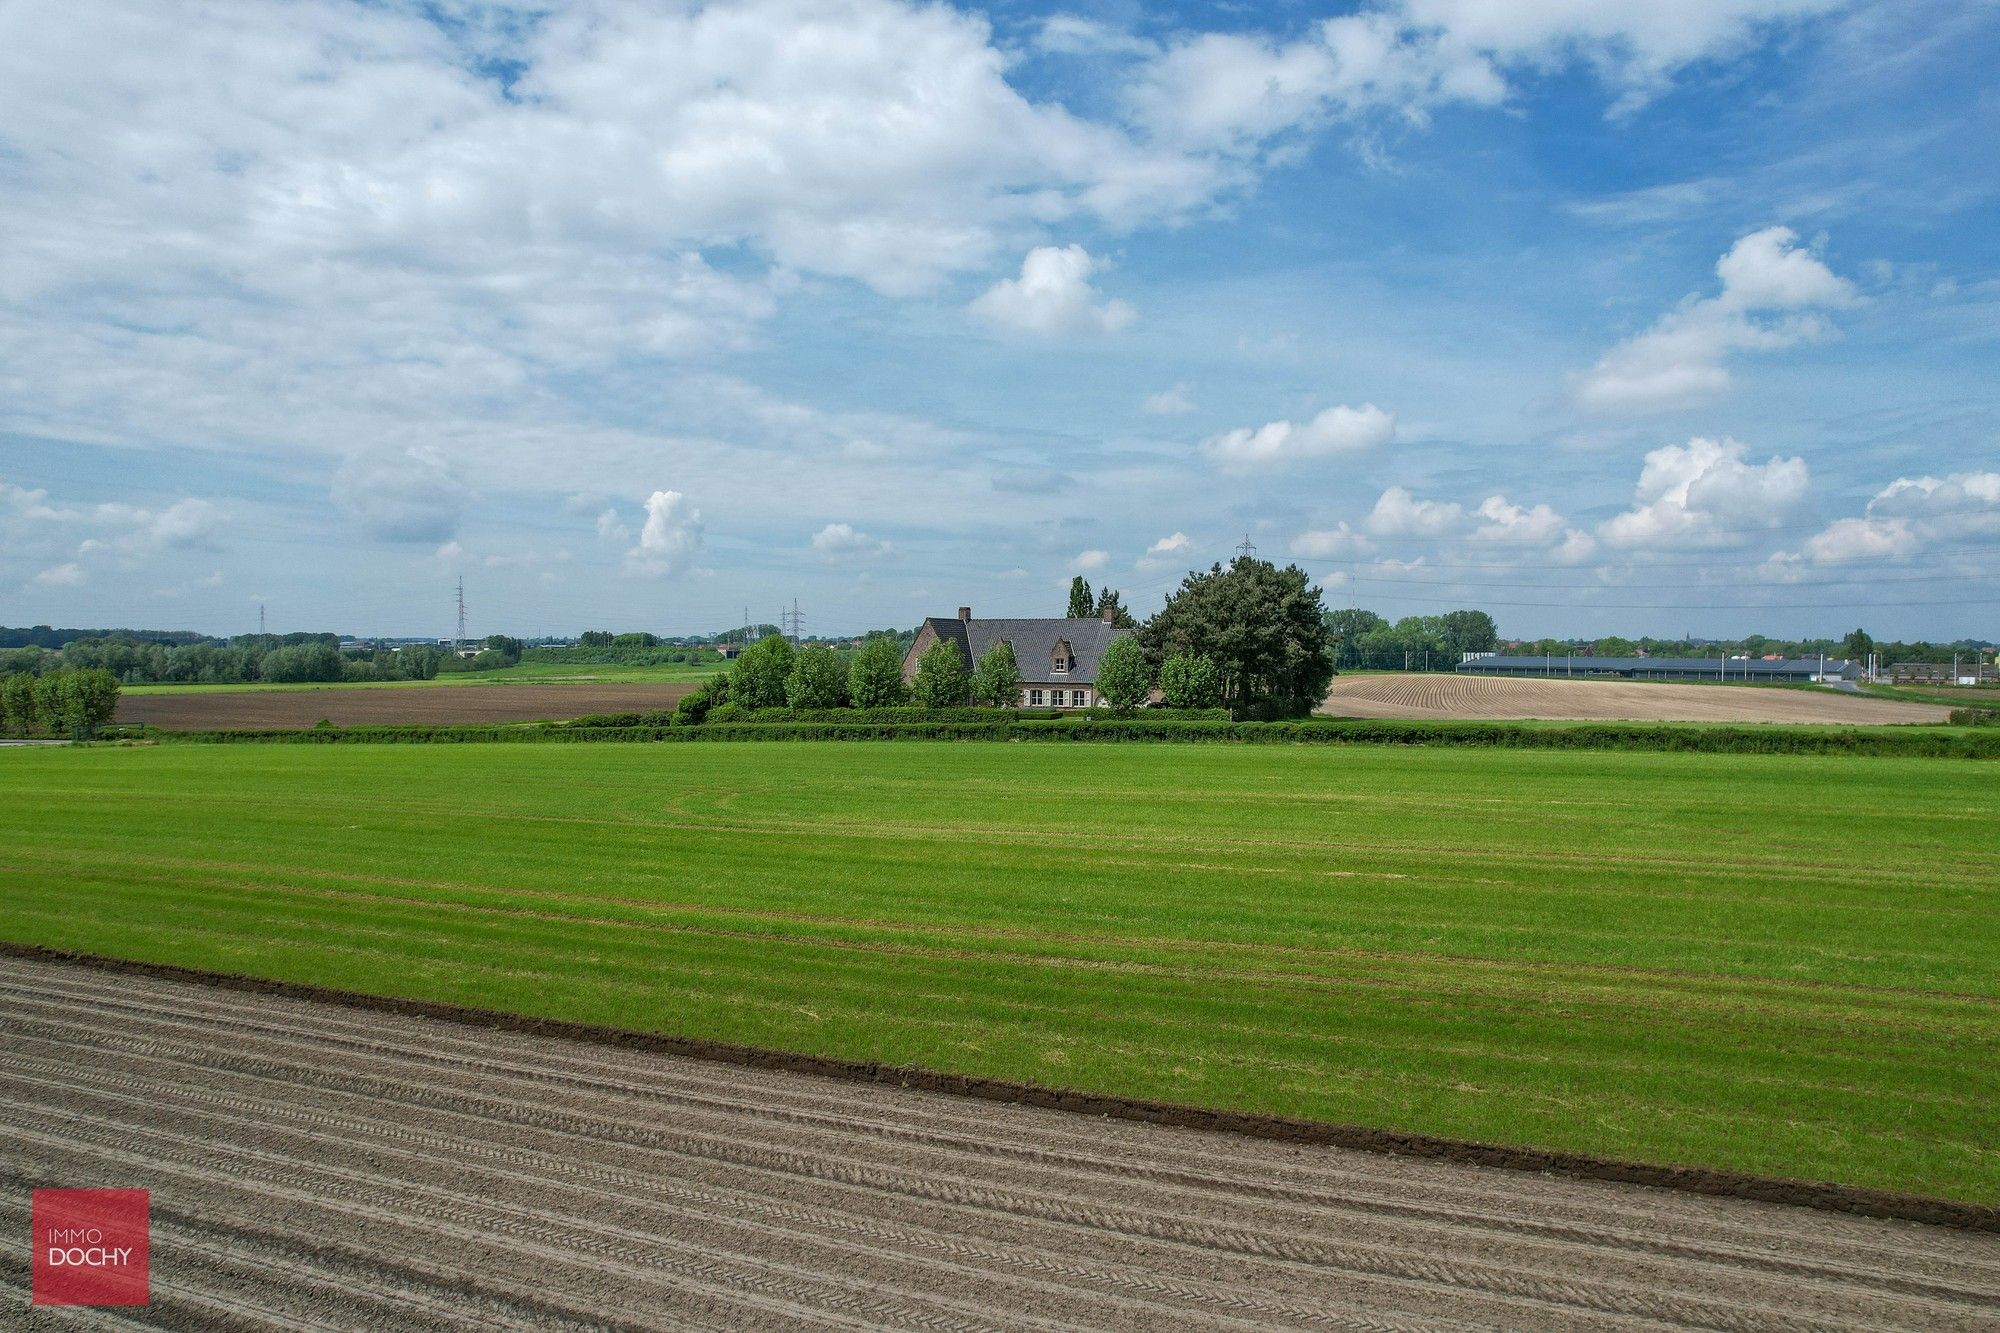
(941, 677)
(875, 677)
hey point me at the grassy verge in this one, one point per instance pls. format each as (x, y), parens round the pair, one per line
(1787, 966)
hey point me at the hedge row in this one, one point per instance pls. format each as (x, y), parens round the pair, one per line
(871, 716)
(1966, 744)
(1975, 717)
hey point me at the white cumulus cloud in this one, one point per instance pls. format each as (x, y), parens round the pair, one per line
(1172, 402)
(841, 541)
(1398, 513)
(1332, 543)
(1704, 491)
(1052, 296)
(62, 576)
(669, 539)
(1772, 294)
(1337, 430)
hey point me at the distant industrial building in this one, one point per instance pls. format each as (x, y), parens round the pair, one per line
(1944, 673)
(1751, 669)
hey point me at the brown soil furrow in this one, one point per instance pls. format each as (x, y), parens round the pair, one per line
(1574, 699)
(640, 1187)
(1409, 1268)
(766, 1286)
(601, 1185)
(413, 705)
(247, 1167)
(1516, 1278)
(1491, 1215)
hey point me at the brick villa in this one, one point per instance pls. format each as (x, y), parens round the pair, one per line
(1058, 657)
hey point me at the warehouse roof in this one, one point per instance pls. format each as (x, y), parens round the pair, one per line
(1713, 666)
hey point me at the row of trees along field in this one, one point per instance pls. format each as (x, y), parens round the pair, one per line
(64, 702)
(245, 659)
(1250, 636)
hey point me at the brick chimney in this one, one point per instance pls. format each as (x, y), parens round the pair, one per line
(965, 613)
(1110, 616)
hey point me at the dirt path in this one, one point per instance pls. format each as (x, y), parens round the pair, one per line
(316, 1166)
(1503, 698)
(438, 705)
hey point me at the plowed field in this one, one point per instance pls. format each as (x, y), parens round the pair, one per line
(1557, 699)
(313, 1166)
(436, 706)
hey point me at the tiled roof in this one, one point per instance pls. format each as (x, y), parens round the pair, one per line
(1034, 643)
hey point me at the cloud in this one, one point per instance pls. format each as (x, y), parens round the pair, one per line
(1072, 35)
(1331, 543)
(1086, 561)
(1400, 514)
(62, 576)
(1337, 430)
(189, 524)
(1511, 522)
(1236, 93)
(1175, 544)
(839, 541)
(670, 538)
(1052, 296)
(404, 496)
(1705, 492)
(1771, 291)
(1172, 402)
(1908, 516)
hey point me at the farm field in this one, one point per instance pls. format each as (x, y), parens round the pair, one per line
(1786, 965)
(527, 673)
(1558, 699)
(197, 708)
(389, 1172)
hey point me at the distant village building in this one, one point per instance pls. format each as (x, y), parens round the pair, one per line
(1058, 658)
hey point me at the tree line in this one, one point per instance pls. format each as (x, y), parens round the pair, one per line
(245, 659)
(64, 702)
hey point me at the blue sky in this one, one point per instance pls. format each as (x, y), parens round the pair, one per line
(1609, 317)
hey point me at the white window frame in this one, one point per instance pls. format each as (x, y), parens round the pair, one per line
(1034, 698)
(1079, 699)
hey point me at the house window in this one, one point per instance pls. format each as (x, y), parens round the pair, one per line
(1076, 698)
(1034, 698)
(1060, 666)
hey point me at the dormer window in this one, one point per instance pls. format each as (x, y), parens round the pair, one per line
(1061, 659)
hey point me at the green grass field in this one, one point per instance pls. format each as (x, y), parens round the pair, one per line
(527, 673)
(1780, 964)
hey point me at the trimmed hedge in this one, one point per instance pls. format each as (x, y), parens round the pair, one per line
(1965, 744)
(906, 714)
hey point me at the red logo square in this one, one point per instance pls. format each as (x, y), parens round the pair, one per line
(91, 1247)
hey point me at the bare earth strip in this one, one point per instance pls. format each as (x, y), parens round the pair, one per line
(403, 707)
(1518, 699)
(317, 1166)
